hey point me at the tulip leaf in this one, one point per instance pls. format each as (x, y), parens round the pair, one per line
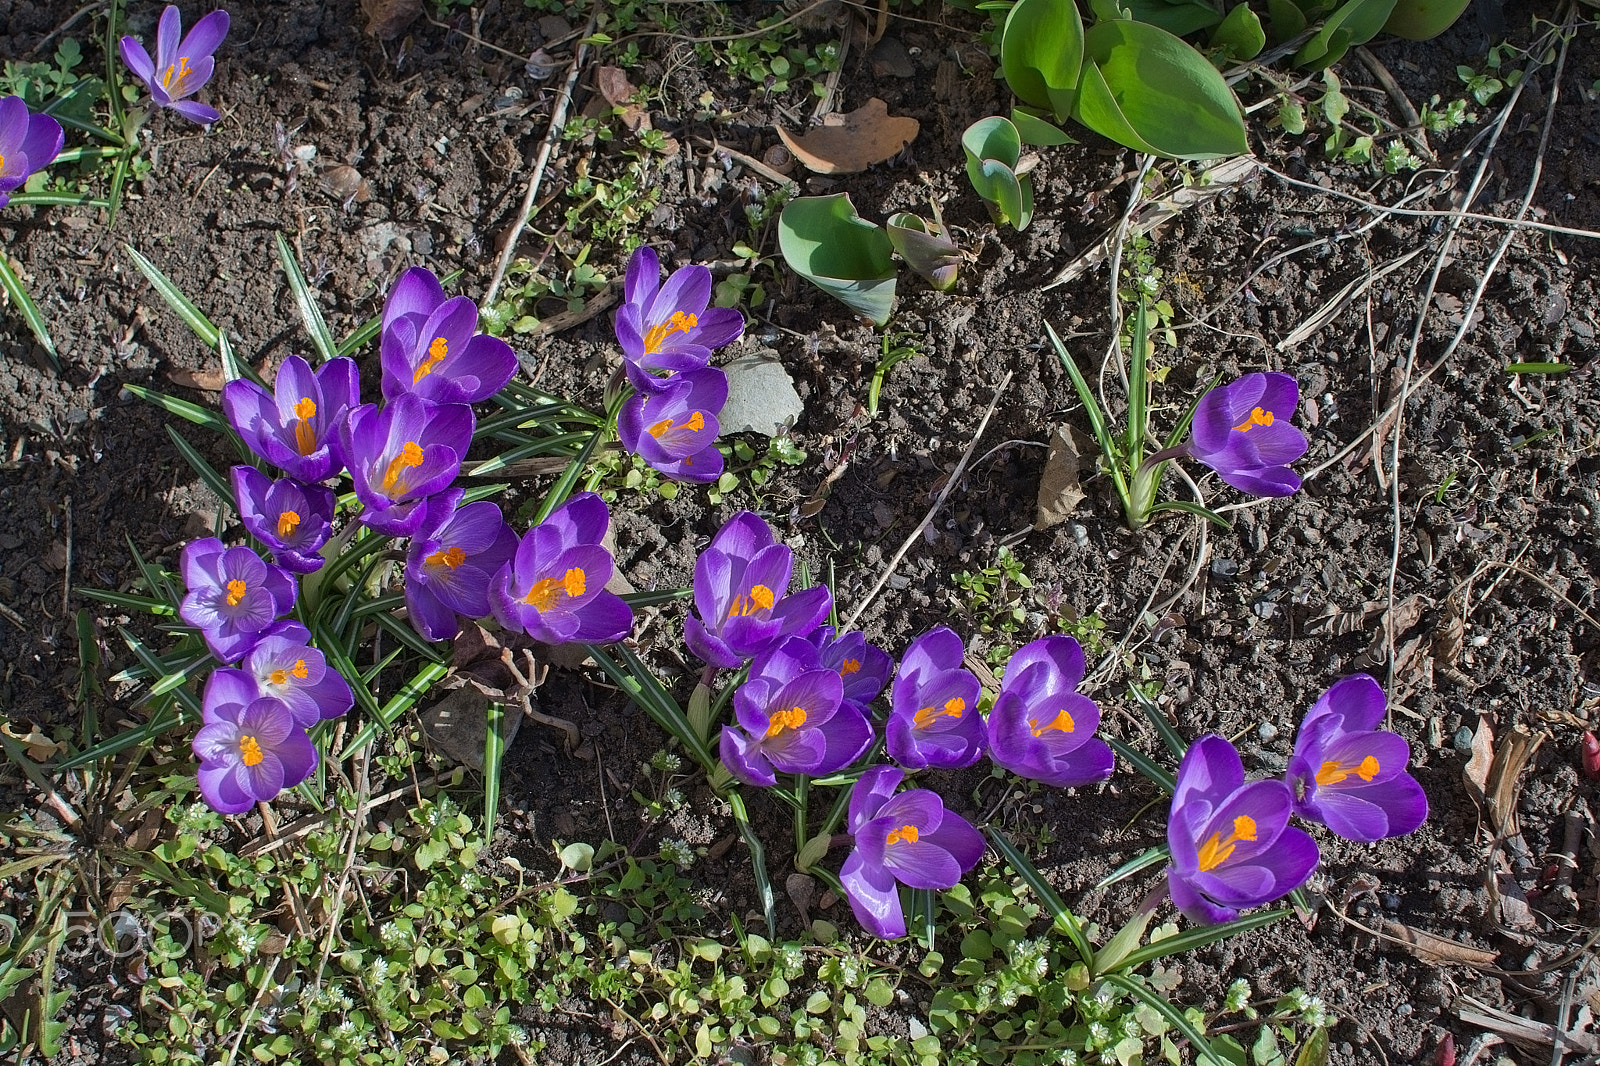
(1041, 49)
(1240, 34)
(1181, 19)
(1357, 22)
(1285, 20)
(1419, 20)
(927, 250)
(1037, 131)
(29, 311)
(827, 243)
(993, 148)
(1146, 89)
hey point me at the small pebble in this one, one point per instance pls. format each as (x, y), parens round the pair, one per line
(1463, 740)
(1390, 901)
(1266, 731)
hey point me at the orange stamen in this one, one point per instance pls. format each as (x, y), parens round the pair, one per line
(451, 557)
(759, 598)
(907, 833)
(793, 718)
(436, 353)
(287, 521)
(1215, 852)
(250, 750)
(1333, 772)
(850, 666)
(1061, 723)
(236, 591)
(953, 708)
(1258, 417)
(305, 434)
(548, 590)
(394, 478)
(182, 69)
(678, 323)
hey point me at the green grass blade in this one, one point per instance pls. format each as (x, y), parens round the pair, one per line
(1192, 508)
(643, 689)
(158, 669)
(494, 749)
(406, 635)
(1142, 763)
(127, 600)
(192, 316)
(547, 446)
(306, 301)
(28, 310)
(1097, 418)
(1141, 862)
(758, 862)
(192, 412)
(207, 472)
(154, 579)
(1175, 1017)
(369, 329)
(569, 478)
(60, 199)
(398, 704)
(119, 179)
(163, 720)
(1525, 368)
(655, 597)
(1065, 920)
(923, 926)
(1138, 386)
(1199, 937)
(1169, 735)
(337, 659)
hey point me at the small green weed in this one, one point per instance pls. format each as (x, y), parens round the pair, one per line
(1002, 603)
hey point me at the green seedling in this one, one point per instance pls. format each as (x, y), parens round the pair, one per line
(926, 247)
(998, 173)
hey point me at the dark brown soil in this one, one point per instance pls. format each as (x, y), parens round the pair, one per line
(1496, 512)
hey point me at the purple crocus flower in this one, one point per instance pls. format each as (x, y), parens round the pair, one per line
(233, 596)
(935, 720)
(28, 143)
(285, 668)
(431, 347)
(1040, 727)
(250, 747)
(674, 427)
(1348, 774)
(863, 668)
(1242, 431)
(554, 588)
(400, 455)
(179, 70)
(909, 838)
(1232, 845)
(452, 558)
(741, 585)
(293, 519)
(667, 327)
(792, 717)
(296, 427)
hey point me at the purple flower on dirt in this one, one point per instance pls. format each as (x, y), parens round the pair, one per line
(293, 519)
(296, 426)
(250, 747)
(233, 598)
(401, 455)
(285, 668)
(452, 558)
(667, 327)
(935, 720)
(792, 717)
(1348, 774)
(431, 346)
(178, 70)
(1242, 431)
(741, 585)
(863, 668)
(909, 838)
(1232, 845)
(674, 428)
(28, 143)
(554, 587)
(1040, 727)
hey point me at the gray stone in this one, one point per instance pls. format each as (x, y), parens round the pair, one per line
(761, 396)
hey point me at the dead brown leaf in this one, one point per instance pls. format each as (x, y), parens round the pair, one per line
(1059, 490)
(388, 19)
(1430, 947)
(205, 380)
(1476, 772)
(619, 92)
(1516, 749)
(850, 143)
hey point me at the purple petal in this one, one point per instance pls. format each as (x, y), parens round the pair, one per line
(42, 141)
(957, 836)
(719, 326)
(744, 759)
(603, 619)
(922, 864)
(870, 792)
(1195, 906)
(220, 787)
(206, 35)
(168, 31)
(1358, 699)
(707, 647)
(742, 536)
(137, 59)
(642, 279)
(1270, 481)
(1063, 657)
(874, 898)
(687, 290)
(416, 292)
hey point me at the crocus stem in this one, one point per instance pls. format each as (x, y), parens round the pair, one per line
(802, 792)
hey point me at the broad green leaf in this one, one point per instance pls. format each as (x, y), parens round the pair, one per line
(1285, 20)
(1038, 131)
(1419, 20)
(827, 243)
(1181, 19)
(1146, 89)
(992, 147)
(926, 250)
(1357, 22)
(1240, 33)
(1041, 48)
(1314, 1052)
(1013, 200)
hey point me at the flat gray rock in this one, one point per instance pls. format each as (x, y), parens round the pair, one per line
(761, 397)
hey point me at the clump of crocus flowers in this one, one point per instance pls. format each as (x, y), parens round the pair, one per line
(667, 334)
